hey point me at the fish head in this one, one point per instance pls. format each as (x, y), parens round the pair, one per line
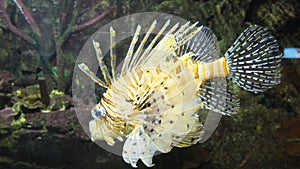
(99, 127)
(98, 111)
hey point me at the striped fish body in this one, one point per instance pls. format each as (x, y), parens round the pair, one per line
(160, 99)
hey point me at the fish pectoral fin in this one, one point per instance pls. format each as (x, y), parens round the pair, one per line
(192, 135)
(138, 146)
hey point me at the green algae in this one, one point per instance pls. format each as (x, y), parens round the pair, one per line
(28, 100)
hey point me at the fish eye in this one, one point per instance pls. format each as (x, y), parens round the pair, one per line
(98, 112)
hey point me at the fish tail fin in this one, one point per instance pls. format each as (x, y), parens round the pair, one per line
(254, 60)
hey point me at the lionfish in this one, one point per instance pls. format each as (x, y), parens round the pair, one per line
(158, 98)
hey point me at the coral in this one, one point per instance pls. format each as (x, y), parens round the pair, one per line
(28, 100)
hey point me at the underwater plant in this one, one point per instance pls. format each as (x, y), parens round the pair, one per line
(47, 36)
(29, 100)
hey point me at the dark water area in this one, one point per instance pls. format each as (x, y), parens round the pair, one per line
(40, 42)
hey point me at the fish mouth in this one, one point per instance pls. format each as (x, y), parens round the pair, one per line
(96, 130)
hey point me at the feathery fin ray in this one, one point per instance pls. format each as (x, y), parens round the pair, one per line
(128, 58)
(113, 56)
(139, 50)
(84, 68)
(102, 65)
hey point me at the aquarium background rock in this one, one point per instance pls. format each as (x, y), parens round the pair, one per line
(265, 134)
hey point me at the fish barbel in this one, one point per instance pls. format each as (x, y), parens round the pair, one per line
(158, 99)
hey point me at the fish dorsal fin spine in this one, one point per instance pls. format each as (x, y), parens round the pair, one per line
(203, 44)
(129, 55)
